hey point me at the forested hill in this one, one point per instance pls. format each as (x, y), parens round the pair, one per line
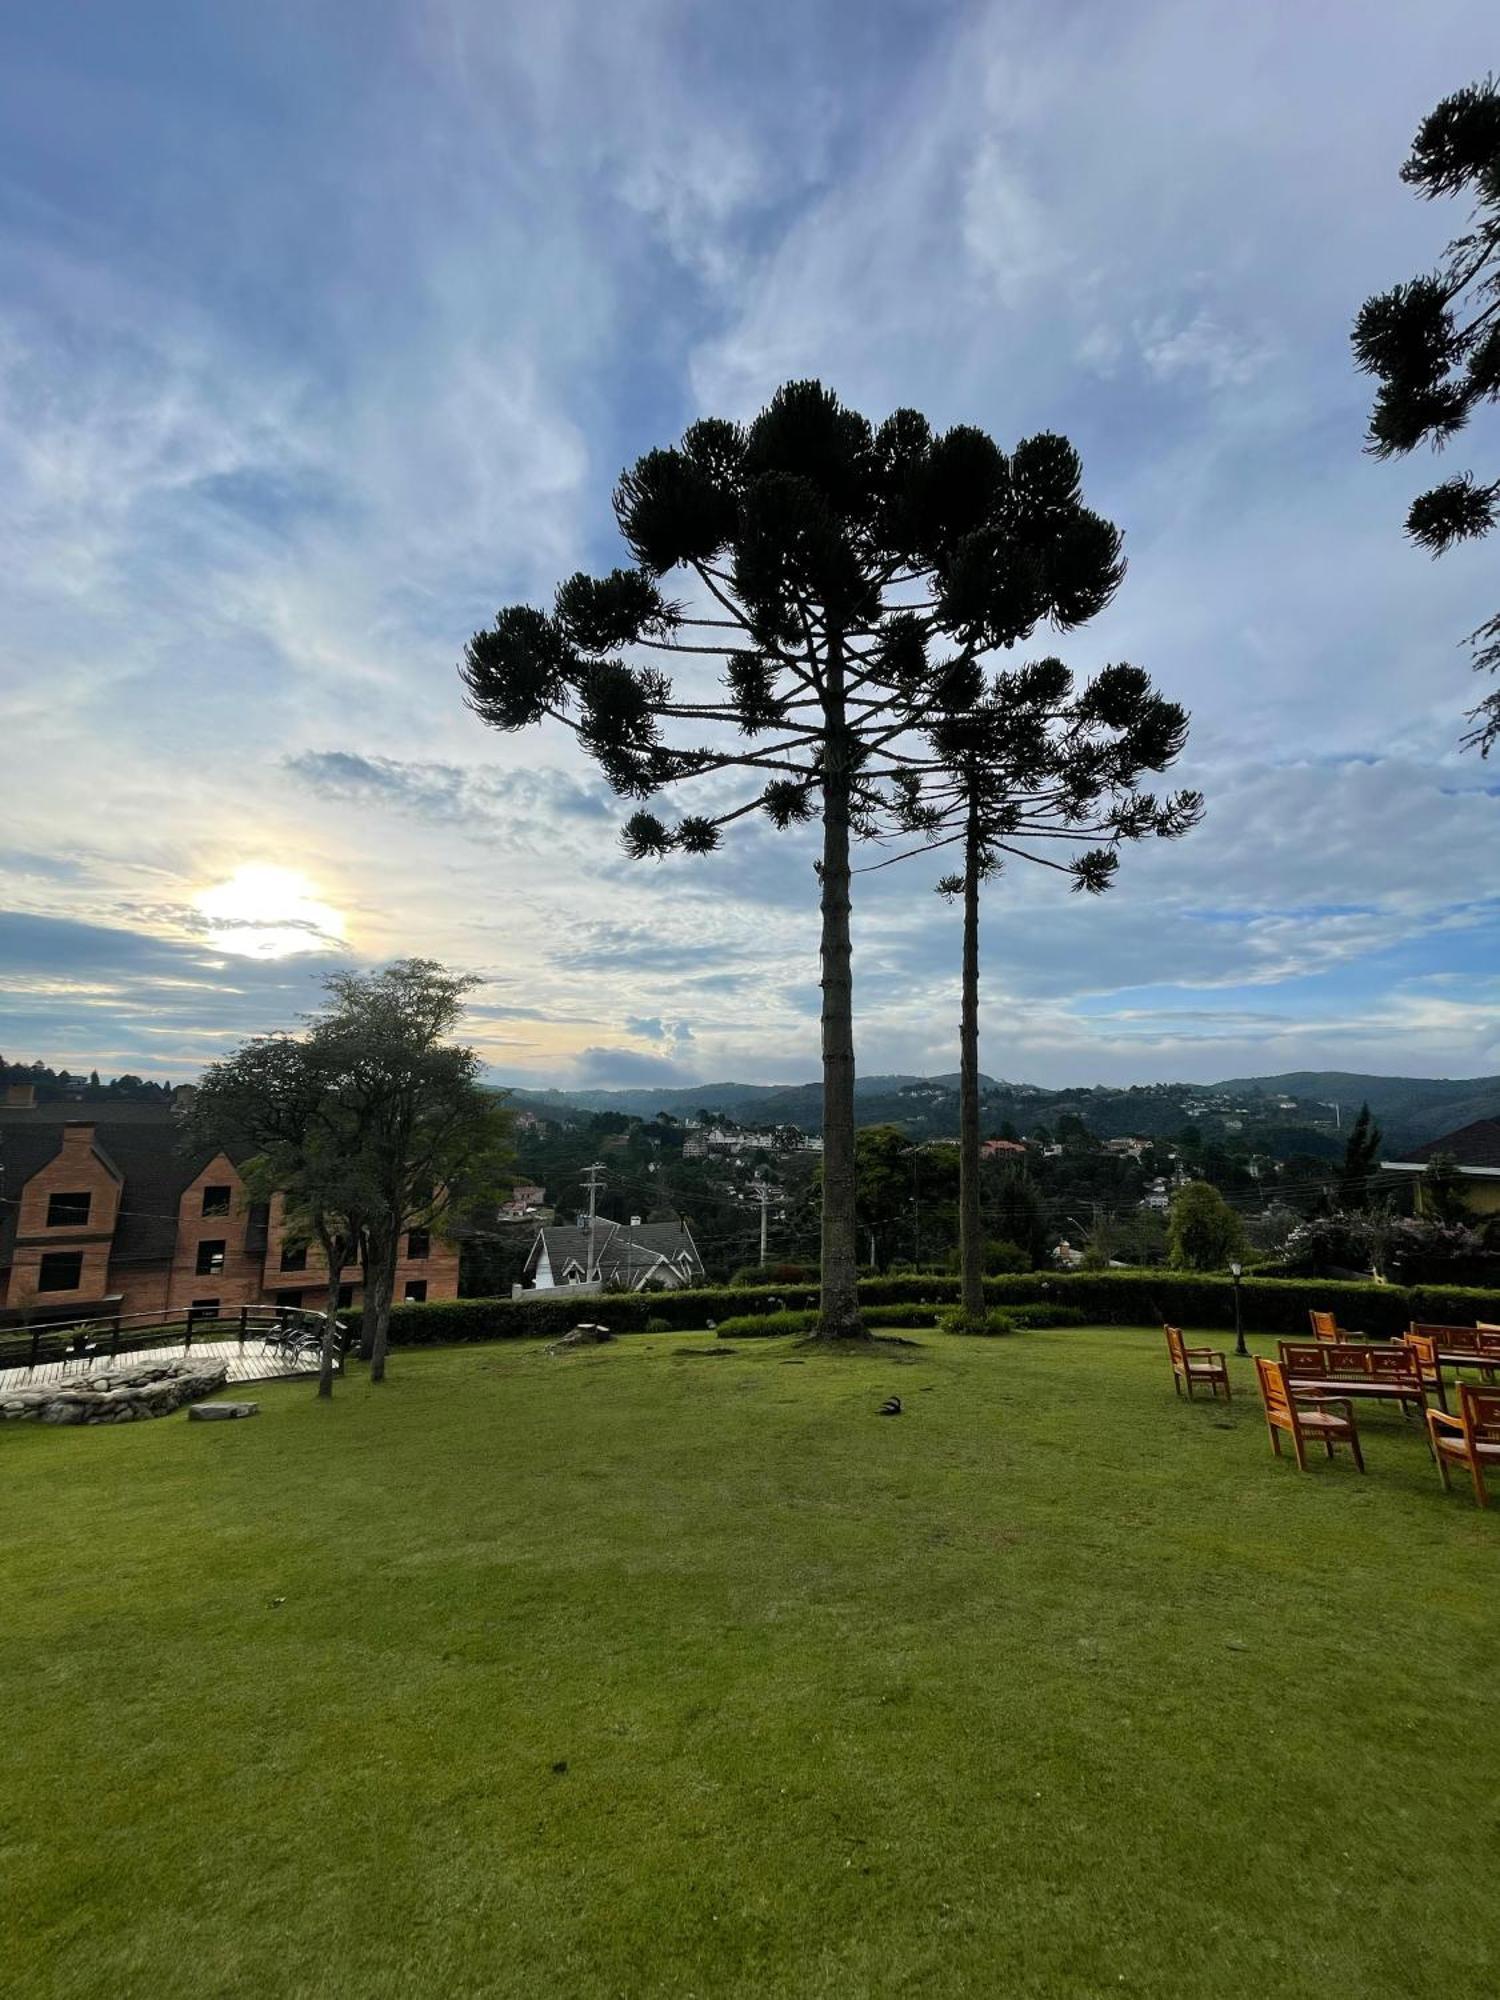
(1293, 1112)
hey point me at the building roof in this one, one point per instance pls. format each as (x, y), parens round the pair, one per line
(1476, 1145)
(618, 1251)
(139, 1141)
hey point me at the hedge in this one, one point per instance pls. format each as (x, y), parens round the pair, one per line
(1102, 1298)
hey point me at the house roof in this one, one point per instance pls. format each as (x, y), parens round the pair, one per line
(140, 1142)
(1476, 1145)
(616, 1248)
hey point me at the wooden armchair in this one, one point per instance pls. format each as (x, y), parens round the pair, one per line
(1196, 1364)
(1305, 1415)
(1325, 1326)
(1423, 1347)
(1472, 1438)
(1465, 1346)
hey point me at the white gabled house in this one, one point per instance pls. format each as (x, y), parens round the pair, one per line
(631, 1258)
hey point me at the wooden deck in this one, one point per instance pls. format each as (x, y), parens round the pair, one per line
(250, 1363)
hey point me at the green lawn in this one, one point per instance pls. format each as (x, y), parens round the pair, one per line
(648, 1671)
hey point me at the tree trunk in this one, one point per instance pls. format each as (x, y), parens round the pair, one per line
(368, 1263)
(970, 1219)
(839, 1317)
(333, 1251)
(384, 1275)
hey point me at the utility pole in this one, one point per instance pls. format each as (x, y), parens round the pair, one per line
(592, 1177)
(763, 1195)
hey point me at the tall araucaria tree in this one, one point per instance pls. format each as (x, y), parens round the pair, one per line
(847, 582)
(1433, 344)
(1043, 771)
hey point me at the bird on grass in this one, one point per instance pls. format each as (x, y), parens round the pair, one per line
(891, 1407)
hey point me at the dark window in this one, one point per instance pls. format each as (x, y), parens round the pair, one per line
(294, 1256)
(204, 1309)
(68, 1211)
(216, 1200)
(416, 1291)
(289, 1298)
(60, 1271)
(210, 1258)
(346, 1295)
(418, 1243)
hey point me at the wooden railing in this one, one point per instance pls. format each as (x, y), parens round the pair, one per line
(102, 1336)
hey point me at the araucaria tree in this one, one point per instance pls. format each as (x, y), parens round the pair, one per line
(847, 582)
(1043, 771)
(1433, 343)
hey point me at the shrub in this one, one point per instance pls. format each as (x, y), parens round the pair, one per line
(774, 1274)
(766, 1326)
(1031, 1318)
(989, 1323)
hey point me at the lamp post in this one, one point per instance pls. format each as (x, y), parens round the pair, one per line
(1237, 1271)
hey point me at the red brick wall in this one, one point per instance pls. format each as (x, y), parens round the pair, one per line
(239, 1282)
(76, 1169)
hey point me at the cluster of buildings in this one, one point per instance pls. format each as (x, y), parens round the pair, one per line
(105, 1215)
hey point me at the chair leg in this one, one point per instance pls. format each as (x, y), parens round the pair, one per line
(1442, 1466)
(1275, 1436)
(1481, 1492)
(1359, 1457)
(1300, 1449)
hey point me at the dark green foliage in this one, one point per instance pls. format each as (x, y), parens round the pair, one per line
(1361, 1161)
(989, 1323)
(1203, 1232)
(1433, 344)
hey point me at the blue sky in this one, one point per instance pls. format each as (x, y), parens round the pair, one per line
(325, 330)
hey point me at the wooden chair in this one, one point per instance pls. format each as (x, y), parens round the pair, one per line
(1357, 1369)
(1325, 1326)
(1305, 1416)
(1465, 1346)
(1196, 1364)
(1472, 1438)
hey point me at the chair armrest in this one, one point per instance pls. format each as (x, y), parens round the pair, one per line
(1197, 1353)
(1448, 1423)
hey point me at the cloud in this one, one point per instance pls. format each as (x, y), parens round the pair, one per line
(604, 1068)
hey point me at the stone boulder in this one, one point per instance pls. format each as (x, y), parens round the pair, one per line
(116, 1395)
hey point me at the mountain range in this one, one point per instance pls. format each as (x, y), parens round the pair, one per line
(1295, 1108)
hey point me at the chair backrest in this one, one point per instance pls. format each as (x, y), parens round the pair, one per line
(1325, 1326)
(1301, 1357)
(1479, 1412)
(1273, 1390)
(1398, 1363)
(1345, 1357)
(1422, 1346)
(1175, 1346)
(1489, 1336)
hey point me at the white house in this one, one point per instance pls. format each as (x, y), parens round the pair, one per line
(631, 1258)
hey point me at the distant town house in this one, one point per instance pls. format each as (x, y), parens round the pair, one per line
(636, 1257)
(1475, 1153)
(107, 1216)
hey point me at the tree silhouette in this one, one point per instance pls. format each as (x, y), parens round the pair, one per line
(1434, 345)
(1036, 771)
(847, 581)
(1361, 1158)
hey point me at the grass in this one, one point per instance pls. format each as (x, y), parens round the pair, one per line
(645, 1671)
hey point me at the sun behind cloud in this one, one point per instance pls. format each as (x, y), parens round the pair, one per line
(262, 911)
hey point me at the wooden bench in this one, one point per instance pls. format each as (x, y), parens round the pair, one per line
(1463, 1346)
(1290, 1412)
(1390, 1374)
(1192, 1365)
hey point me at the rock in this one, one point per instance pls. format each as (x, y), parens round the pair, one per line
(206, 1413)
(118, 1395)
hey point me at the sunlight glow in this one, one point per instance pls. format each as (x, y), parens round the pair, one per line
(268, 912)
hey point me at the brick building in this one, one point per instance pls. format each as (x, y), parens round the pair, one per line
(102, 1213)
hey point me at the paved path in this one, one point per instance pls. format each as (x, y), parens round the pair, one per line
(250, 1363)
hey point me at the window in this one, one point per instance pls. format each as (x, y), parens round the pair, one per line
(216, 1200)
(68, 1211)
(294, 1256)
(346, 1296)
(289, 1298)
(416, 1291)
(418, 1243)
(60, 1271)
(203, 1309)
(210, 1262)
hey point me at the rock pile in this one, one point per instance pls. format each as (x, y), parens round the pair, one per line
(116, 1395)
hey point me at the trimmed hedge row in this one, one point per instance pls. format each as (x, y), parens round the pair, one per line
(1102, 1298)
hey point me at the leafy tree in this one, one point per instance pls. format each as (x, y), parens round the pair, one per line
(1203, 1231)
(1015, 1214)
(1433, 343)
(1361, 1162)
(289, 1099)
(432, 1138)
(848, 582)
(1441, 1191)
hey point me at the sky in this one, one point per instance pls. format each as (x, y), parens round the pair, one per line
(327, 327)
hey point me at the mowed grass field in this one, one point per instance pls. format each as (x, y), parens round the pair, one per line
(664, 1670)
